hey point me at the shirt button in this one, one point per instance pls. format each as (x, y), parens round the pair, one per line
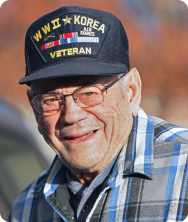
(85, 208)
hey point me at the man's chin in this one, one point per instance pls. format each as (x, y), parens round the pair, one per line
(81, 167)
(85, 162)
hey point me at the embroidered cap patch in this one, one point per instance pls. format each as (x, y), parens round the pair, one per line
(70, 35)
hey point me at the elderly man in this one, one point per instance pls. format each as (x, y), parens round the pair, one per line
(113, 163)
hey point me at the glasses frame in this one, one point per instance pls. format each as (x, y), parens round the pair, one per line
(75, 99)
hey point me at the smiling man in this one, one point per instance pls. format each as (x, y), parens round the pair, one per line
(113, 162)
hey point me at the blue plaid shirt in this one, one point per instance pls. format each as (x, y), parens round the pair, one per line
(148, 181)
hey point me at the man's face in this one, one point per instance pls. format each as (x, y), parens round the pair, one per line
(86, 139)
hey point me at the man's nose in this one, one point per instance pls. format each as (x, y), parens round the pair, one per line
(71, 112)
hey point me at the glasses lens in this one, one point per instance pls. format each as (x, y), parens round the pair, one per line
(47, 104)
(89, 96)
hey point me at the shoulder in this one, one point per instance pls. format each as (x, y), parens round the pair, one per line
(23, 203)
(167, 132)
(170, 146)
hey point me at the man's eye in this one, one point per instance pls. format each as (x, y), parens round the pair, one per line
(50, 100)
(88, 94)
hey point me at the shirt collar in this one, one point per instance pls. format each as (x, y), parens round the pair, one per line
(137, 154)
(50, 178)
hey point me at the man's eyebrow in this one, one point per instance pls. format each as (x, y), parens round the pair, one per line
(45, 92)
(51, 91)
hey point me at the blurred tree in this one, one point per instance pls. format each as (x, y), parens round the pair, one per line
(157, 32)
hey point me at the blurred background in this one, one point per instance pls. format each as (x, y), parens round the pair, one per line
(158, 38)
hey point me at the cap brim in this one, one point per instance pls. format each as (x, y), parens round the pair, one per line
(74, 69)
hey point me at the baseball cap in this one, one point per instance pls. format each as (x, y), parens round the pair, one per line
(74, 41)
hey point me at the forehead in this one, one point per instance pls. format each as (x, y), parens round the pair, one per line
(46, 85)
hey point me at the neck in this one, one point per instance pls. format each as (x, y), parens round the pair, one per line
(84, 178)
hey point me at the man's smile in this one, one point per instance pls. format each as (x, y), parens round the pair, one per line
(80, 137)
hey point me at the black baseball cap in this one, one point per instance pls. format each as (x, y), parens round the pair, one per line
(75, 41)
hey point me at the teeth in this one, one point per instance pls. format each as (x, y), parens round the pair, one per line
(85, 135)
(90, 133)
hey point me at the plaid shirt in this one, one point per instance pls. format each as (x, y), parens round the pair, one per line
(148, 181)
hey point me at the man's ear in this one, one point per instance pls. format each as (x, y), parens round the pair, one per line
(30, 97)
(133, 88)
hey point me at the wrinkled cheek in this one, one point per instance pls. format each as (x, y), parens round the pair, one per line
(45, 128)
(111, 128)
(114, 123)
(41, 125)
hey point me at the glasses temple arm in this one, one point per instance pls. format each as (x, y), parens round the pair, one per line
(112, 83)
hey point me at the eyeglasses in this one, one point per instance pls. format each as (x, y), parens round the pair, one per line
(87, 96)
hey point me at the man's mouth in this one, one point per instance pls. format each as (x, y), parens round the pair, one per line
(81, 137)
